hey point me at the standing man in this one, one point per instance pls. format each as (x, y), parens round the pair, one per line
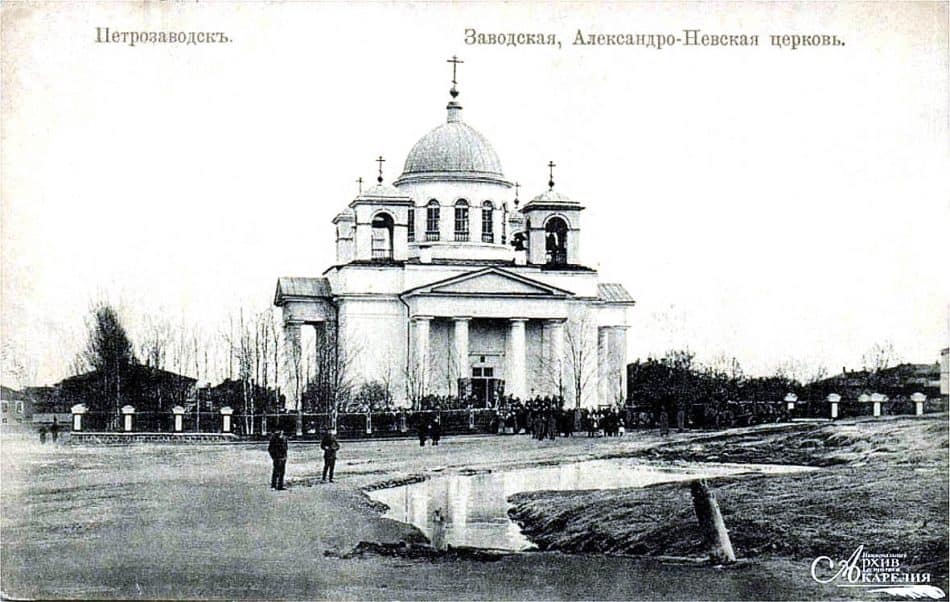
(278, 453)
(54, 429)
(329, 445)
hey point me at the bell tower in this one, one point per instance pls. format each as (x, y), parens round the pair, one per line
(553, 227)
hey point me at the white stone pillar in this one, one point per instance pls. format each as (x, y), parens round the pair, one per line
(603, 365)
(918, 399)
(77, 411)
(461, 348)
(293, 365)
(420, 354)
(127, 413)
(179, 413)
(790, 400)
(834, 399)
(515, 377)
(226, 412)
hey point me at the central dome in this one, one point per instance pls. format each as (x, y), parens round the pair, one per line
(453, 151)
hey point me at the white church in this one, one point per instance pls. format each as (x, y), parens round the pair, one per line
(445, 283)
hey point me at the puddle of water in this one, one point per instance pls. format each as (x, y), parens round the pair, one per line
(475, 507)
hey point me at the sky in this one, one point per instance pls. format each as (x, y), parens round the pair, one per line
(770, 204)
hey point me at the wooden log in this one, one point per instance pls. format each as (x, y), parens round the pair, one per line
(715, 534)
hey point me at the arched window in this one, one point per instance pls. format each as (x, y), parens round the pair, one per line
(461, 220)
(382, 237)
(488, 229)
(432, 220)
(555, 241)
(411, 225)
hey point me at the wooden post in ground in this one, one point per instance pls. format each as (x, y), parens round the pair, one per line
(715, 534)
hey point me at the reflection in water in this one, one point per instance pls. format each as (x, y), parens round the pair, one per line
(475, 507)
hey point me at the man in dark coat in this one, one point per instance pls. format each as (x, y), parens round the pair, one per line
(278, 453)
(435, 430)
(54, 429)
(329, 445)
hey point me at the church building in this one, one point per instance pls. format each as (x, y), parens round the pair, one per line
(445, 283)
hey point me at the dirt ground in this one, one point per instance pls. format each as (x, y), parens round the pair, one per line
(163, 521)
(884, 484)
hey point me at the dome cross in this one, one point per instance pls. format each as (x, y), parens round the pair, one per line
(455, 63)
(380, 160)
(551, 167)
(359, 182)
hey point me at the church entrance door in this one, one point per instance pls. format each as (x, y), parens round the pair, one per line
(485, 387)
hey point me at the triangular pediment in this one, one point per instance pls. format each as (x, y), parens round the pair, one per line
(491, 282)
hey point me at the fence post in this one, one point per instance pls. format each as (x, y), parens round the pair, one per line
(715, 534)
(790, 400)
(127, 413)
(369, 423)
(471, 419)
(918, 399)
(834, 399)
(77, 411)
(226, 412)
(179, 413)
(402, 422)
(876, 399)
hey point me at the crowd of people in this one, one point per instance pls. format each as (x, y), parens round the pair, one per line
(546, 418)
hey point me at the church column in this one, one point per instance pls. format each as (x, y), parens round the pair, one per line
(556, 355)
(292, 365)
(603, 365)
(619, 340)
(461, 348)
(515, 373)
(420, 357)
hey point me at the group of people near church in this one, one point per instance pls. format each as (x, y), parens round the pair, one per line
(451, 402)
(546, 418)
(541, 417)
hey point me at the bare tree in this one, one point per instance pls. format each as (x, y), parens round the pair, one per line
(18, 365)
(580, 355)
(416, 377)
(155, 340)
(273, 334)
(879, 356)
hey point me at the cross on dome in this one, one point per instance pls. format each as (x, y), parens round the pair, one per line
(551, 167)
(380, 160)
(455, 63)
(359, 182)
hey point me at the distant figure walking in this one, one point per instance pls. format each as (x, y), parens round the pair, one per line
(42, 434)
(329, 445)
(423, 431)
(278, 453)
(438, 530)
(54, 429)
(435, 430)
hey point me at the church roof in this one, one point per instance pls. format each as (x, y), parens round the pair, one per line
(381, 191)
(551, 197)
(453, 151)
(612, 292)
(290, 286)
(499, 282)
